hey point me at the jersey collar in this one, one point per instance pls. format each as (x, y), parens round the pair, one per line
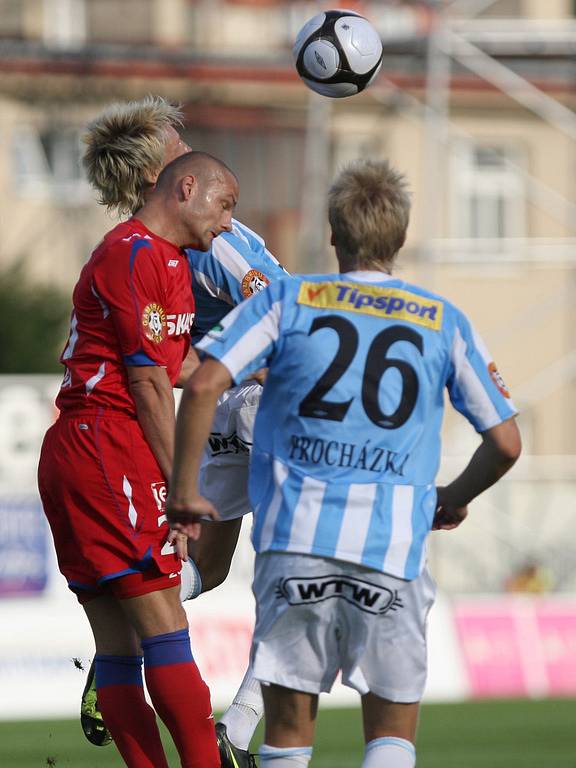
(367, 276)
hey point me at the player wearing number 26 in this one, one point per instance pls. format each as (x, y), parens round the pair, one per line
(346, 449)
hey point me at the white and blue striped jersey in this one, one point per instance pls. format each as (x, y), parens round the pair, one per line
(237, 266)
(347, 436)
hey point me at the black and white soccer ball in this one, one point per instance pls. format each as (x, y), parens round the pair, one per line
(338, 53)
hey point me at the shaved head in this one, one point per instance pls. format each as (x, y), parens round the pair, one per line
(192, 201)
(198, 164)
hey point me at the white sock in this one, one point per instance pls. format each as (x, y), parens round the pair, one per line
(391, 752)
(245, 712)
(190, 581)
(284, 757)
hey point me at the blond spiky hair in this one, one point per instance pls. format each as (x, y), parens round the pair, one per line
(125, 150)
(369, 210)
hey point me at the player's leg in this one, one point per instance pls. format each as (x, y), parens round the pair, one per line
(126, 487)
(178, 692)
(290, 718)
(389, 732)
(212, 553)
(119, 686)
(212, 556)
(240, 720)
(295, 652)
(394, 667)
(224, 480)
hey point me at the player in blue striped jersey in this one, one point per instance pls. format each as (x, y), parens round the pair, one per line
(346, 449)
(236, 267)
(127, 147)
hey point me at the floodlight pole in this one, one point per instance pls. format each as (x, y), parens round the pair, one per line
(436, 129)
(312, 256)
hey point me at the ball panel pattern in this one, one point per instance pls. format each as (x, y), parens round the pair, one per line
(337, 53)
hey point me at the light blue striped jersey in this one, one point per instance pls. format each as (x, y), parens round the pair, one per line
(237, 266)
(347, 436)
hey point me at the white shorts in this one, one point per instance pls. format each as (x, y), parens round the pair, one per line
(224, 471)
(316, 617)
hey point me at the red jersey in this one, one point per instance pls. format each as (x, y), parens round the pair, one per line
(133, 305)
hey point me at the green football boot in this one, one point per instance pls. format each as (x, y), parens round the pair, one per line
(231, 756)
(90, 716)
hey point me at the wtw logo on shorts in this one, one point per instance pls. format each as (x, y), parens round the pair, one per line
(220, 444)
(365, 595)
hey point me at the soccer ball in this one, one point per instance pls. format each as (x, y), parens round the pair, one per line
(338, 53)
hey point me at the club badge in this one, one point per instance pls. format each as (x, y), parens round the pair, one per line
(498, 380)
(253, 282)
(154, 322)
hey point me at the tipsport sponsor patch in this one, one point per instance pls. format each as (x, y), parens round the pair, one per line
(392, 303)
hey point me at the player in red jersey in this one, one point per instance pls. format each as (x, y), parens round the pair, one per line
(127, 145)
(105, 461)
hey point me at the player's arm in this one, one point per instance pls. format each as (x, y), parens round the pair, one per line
(243, 342)
(189, 365)
(154, 400)
(479, 393)
(497, 453)
(131, 284)
(195, 417)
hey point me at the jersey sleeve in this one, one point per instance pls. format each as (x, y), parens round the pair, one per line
(237, 266)
(131, 287)
(245, 340)
(475, 387)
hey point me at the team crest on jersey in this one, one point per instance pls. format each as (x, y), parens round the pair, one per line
(253, 282)
(154, 322)
(390, 303)
(498, 380)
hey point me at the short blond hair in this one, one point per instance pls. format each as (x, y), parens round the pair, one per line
(125, 147)
(369, 210)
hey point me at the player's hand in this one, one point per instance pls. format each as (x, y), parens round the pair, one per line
(448, 515)
(180, 541)
(258, 376)
(185, 517)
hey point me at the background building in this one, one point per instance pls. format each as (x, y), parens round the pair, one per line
(475, 103)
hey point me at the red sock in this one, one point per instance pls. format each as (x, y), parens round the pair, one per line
(181, 698)
(128, 717)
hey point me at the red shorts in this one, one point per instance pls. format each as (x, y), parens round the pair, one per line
(104, 494)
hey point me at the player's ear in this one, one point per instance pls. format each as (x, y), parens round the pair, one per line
(187, 187)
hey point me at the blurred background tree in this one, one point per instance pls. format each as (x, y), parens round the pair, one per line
(34, 324)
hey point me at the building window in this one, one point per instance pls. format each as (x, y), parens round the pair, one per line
(64, 24)
(12, 15)
(488, 191)
(47, 165)
(119, 21)
(503, 9)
